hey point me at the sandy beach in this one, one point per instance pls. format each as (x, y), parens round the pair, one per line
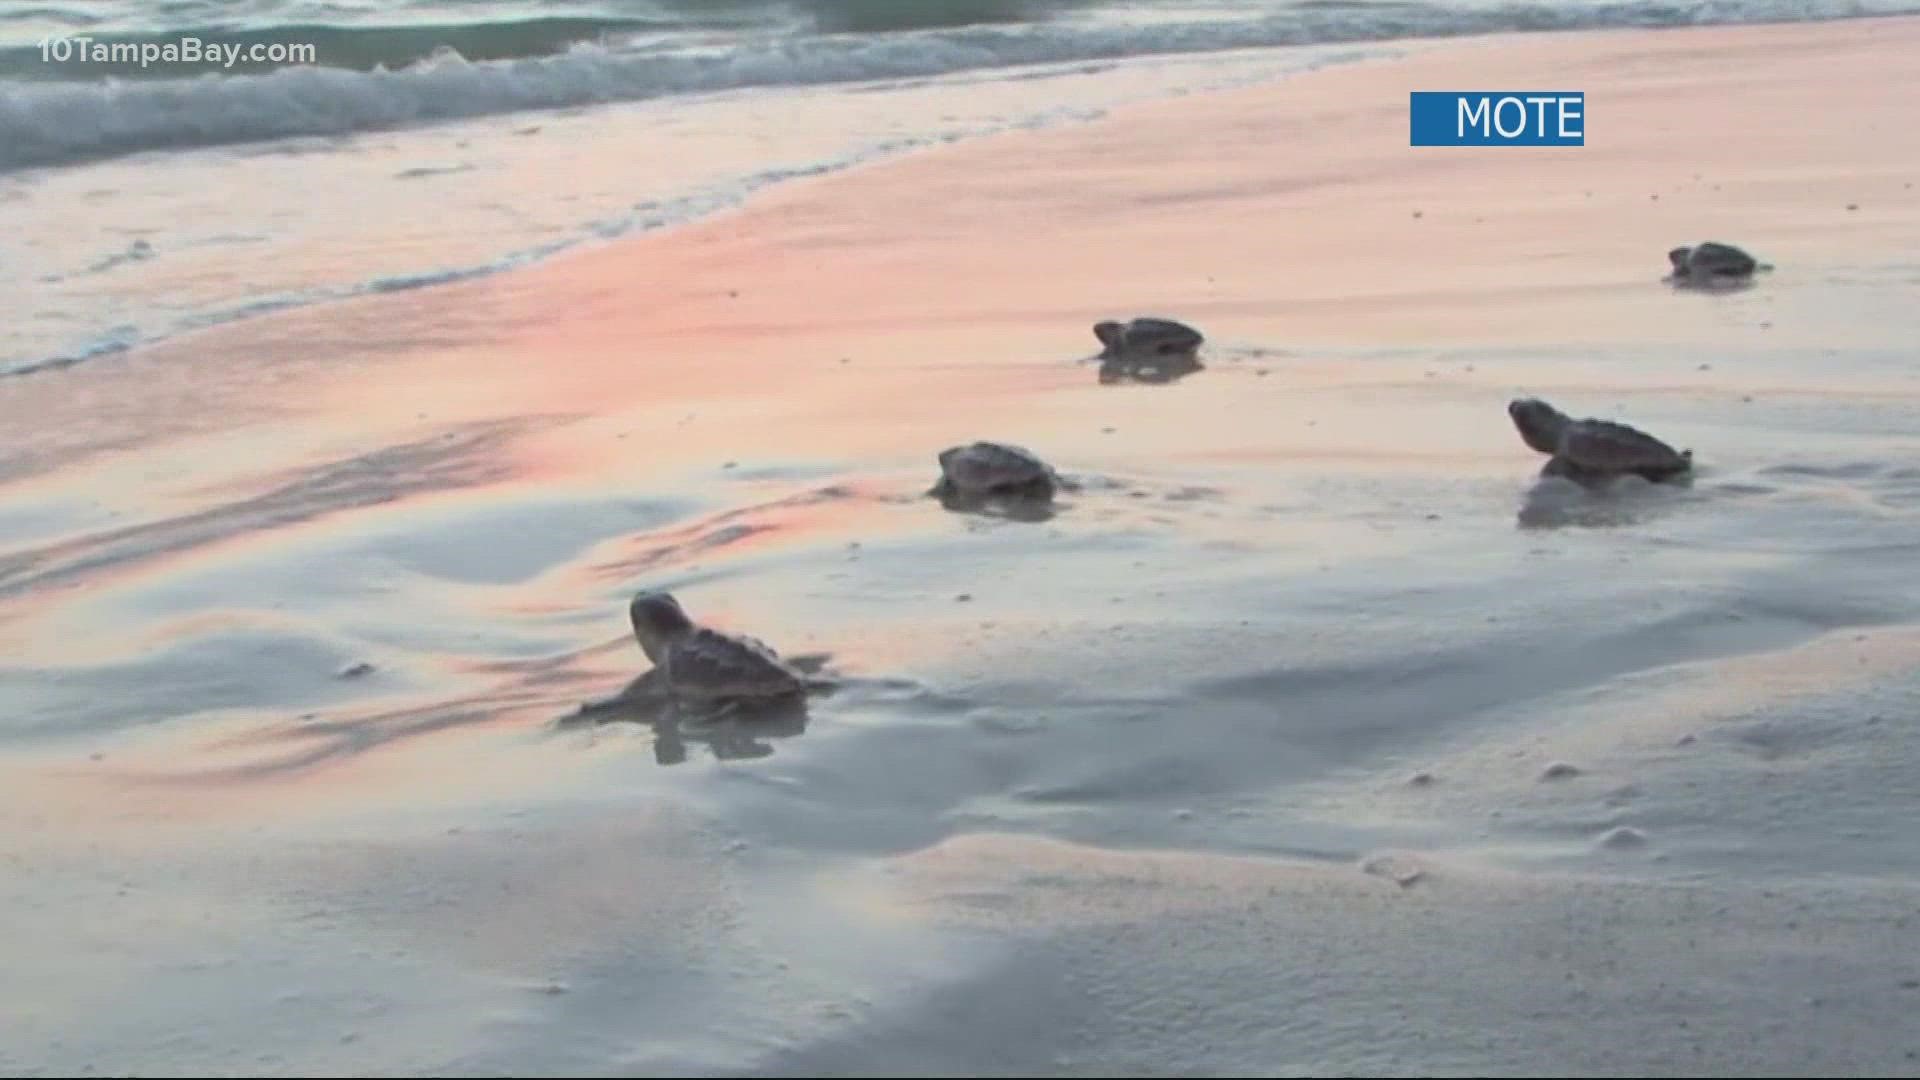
(1309, 736)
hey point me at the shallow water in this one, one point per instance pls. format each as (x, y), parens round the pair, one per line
(122, 252)
(1248, 659)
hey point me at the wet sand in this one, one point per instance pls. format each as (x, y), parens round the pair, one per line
(1242, 761)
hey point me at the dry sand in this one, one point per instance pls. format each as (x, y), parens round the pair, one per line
(1241, 763)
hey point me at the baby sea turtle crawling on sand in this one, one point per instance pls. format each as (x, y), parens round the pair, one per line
(701, 665)
(986, 470)
(1591, 451)
(1145, 338)
(1711, 263)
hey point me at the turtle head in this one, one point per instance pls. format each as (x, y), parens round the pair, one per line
(1678, 257)
(944, 487)
(1539, 423)
(1110, 334)
(657, 620)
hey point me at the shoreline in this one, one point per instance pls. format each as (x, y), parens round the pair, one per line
(1375, 190)
(469, 169)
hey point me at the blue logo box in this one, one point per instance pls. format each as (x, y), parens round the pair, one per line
(1499, 118)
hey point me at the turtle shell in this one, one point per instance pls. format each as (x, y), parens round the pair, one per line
(984, 467)
(1713, 259)
(1153, 335)
(707, 663)
(1603, 446)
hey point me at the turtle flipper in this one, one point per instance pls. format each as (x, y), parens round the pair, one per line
(1564, 469)
(640, 694)
(1040, 489)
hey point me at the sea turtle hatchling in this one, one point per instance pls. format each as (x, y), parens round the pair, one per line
(1711, 263)
(1146, 337)
(705, 666)
(986, 470)
(1591, 451)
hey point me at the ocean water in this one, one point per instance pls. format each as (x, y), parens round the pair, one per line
(458, 138)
